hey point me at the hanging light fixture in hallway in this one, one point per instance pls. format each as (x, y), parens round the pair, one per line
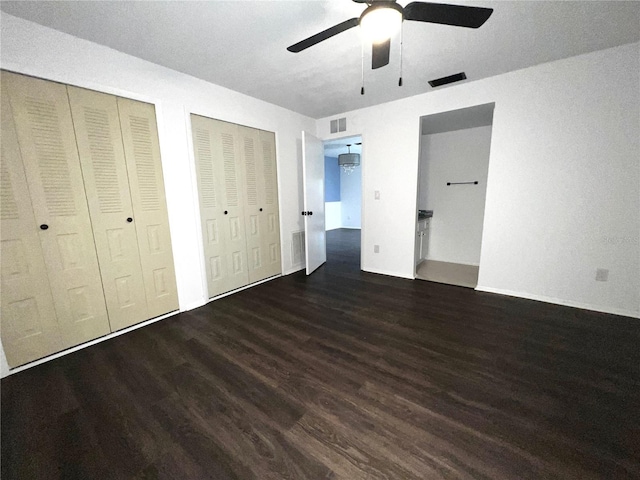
(349, 161)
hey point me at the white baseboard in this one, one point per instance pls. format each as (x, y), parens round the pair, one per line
(193, 305)
(352, 228)
(388, 273)
(558, 301)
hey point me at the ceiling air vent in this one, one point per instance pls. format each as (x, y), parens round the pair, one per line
(438, 82)
(338, 125)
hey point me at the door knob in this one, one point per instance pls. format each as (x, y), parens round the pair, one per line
(309, 213)
(44, 226)
(304, 213)
(260, 209)
(129, 219)
(225, 212)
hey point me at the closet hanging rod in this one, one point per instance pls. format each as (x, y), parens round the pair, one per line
(462, 183)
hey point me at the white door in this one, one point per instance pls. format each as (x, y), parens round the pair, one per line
(313, 181)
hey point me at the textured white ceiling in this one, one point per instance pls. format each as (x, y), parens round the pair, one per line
(241, 45)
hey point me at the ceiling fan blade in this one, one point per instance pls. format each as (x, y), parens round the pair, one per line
(319, 37)
(380, 54)
(456, 15)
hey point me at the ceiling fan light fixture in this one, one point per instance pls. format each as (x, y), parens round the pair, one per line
(381, 21)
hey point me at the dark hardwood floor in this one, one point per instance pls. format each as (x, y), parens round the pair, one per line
(342, 374)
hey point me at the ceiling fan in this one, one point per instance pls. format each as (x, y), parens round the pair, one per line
(382, 18)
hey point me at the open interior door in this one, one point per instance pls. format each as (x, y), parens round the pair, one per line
(313, 185)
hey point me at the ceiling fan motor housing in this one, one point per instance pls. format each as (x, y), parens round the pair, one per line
(380, 20)
(381, 4)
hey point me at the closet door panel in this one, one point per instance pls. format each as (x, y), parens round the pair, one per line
(216, 150)
(97, 128)
(261, 203)
(227, 161)
(47, 143)
(249, 140)
(269, 216)
(212, 206)
(29, 324)
(142, 154)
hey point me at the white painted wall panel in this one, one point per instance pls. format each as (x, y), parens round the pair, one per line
(563, 186)
(332, 215)
(455, 231)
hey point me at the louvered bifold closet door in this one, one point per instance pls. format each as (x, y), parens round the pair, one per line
(219, 174)
(144, 167)
(48, 147)
(97, 127)
(270, 217)
(260, 203)
(29, 323)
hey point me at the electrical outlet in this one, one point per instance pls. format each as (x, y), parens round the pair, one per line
(602, 275)
(376, 194)
(376, 249)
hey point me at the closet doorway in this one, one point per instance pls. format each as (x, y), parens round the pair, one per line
(452, 182)
(238, 196)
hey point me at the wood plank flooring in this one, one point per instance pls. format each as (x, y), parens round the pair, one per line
(340, 375)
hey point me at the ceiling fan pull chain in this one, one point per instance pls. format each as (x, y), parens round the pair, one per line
(362, 65)
(401, 43)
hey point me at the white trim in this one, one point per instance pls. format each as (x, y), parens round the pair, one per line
(89, 343)
(351, 228)
(388, 273)
(558, 301)
(195, 305)
(195, 193)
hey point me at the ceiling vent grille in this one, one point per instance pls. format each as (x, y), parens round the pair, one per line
(438, 82)
(338, 125)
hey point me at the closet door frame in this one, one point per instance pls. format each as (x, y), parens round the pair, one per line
(160, 122)
(226, 219)
(192, 110)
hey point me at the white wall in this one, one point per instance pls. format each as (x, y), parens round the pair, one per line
(332, 215)
(351, 197)
(455, 231)
(36, 50)
(563, 187)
